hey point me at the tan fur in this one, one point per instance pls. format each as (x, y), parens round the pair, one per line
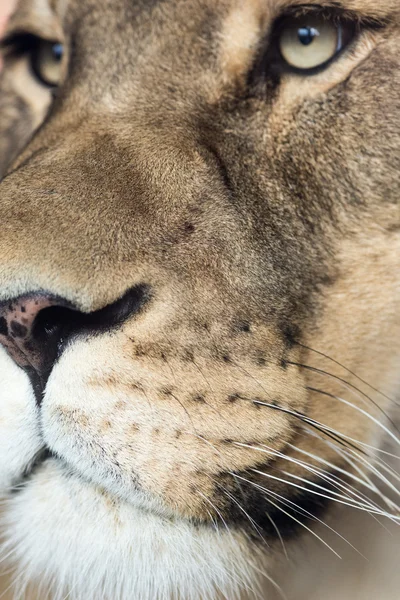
(121, 184)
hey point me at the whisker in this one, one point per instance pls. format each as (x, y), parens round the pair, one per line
(358, 409)
(360, 457)
(291, 517)
(352, 504)
(316, 471)
(271, 581)
(250, 519)
(214, 508)
(348, 384)
(351, 373)
(311, 516)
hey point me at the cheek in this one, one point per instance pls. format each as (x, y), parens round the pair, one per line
(359, 334)
(134, 440)
(19, 431)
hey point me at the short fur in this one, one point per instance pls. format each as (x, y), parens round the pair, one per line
(262, 215)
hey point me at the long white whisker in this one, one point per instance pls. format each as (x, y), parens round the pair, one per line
(294, 518)
(360, 410)
(351, 504)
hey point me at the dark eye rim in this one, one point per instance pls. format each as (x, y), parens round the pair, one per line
(27, 44)
(348, 35)
(34, 64)
(270, 65)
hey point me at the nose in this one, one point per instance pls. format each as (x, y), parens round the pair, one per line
(35, 328)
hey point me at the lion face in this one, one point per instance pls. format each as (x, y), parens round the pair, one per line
(199, 283)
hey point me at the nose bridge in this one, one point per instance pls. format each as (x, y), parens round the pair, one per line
(62, 215)
(84, 215)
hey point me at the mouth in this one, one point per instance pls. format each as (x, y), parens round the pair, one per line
(38, 461)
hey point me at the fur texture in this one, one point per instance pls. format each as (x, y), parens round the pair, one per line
(176, 451)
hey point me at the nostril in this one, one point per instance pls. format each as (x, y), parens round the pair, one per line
(36, 328)
(30, 338)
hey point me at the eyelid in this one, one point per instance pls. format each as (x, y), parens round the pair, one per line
(269, 64)
(19, 43)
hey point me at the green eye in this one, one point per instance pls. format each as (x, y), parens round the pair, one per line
(311, 42)
(47, 62)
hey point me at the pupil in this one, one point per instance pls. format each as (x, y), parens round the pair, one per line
(307, 35)
(57, 52)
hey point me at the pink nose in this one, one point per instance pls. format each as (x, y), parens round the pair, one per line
(17, 329)
(36, 328)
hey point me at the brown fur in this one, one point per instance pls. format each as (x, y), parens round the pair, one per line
(265, 219)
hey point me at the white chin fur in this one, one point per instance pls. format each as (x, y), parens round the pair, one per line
(20, 439)
(78, 540)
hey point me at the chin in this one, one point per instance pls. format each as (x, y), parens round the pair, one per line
(79, 541)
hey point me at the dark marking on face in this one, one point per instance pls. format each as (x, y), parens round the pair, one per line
(189, 228)
(198, 398)
(165, 391)
(291, 334)
(233, 398)
(260, 361)
(304, 509)
(22, 308)
(18, 330)
(3, 326)
(242, 327)
(188, 356)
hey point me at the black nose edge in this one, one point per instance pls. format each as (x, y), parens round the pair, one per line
(35, 328)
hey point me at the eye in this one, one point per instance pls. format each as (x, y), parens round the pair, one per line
(47, 62)
(310, 42)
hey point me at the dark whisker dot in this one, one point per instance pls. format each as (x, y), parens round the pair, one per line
(291, 333)
(137, 386)
(243, 326)
(227, 441)
(165, 391)
(178, 434)
(198, 398)
(256, 403)
(260, 361)
(226, 358)
(284, 364)
(189, 227)
(233, 398)
(188, 356)
(163, 357)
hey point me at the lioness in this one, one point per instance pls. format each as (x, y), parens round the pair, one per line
(200, 290)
